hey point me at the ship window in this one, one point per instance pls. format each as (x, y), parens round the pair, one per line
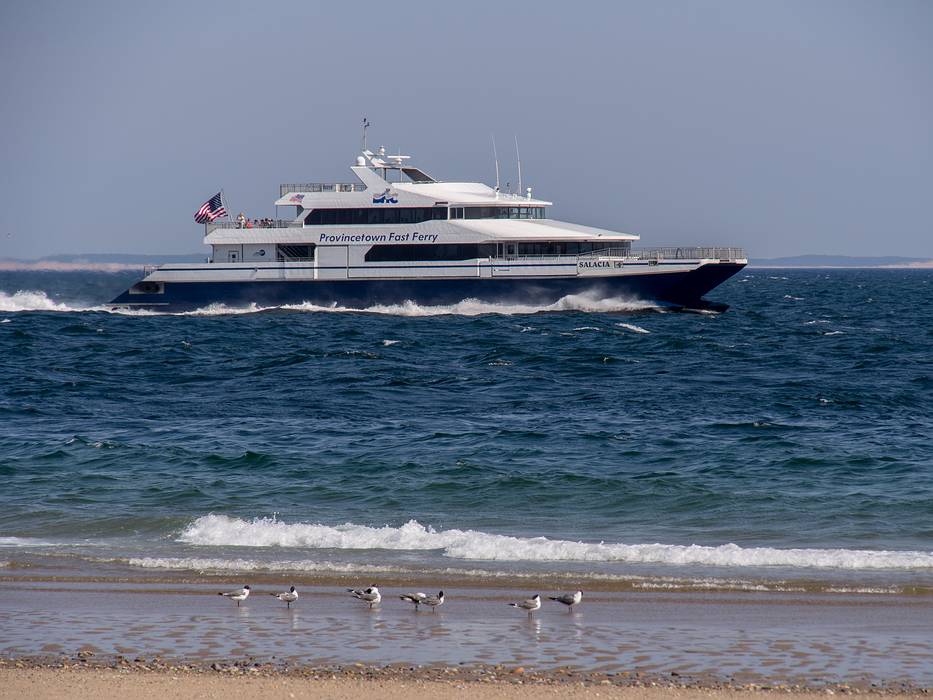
(430, 252)
(364, 216)
(294, 253)
(502, 213)
(570, 247)
(456, 212)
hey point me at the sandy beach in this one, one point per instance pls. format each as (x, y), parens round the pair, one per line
(107, 684)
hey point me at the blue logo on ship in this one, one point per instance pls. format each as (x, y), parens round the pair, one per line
(387, 197)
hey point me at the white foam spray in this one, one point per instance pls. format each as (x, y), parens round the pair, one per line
(33, 300)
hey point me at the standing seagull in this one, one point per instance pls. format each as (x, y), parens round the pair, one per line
(370, 595)
(568, 599)
(288, 597)
(434, 601)
(530, 605)
(415, 598)
(238, 595)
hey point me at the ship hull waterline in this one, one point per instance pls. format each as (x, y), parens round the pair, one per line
(684, 289)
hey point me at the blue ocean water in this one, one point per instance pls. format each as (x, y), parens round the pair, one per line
(789, 436)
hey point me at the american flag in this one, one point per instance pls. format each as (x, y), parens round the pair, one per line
(211, 209)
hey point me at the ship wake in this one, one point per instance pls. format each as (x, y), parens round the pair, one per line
(39, 301)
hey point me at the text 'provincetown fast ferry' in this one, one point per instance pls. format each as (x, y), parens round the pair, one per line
(399, 235)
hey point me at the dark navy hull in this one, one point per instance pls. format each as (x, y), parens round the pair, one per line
(679, 288)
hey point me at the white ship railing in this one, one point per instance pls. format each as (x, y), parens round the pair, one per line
(268, 223)
(320, 187)
(671, 253)
(688, 253)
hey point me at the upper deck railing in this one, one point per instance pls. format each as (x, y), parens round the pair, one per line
(255, 224)
(721, 254)
(320, 187)
(688, 253)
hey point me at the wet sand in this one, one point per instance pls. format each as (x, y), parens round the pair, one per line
(707, 638)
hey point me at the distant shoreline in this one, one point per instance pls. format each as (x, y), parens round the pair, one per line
(928, 265)
(51, 266)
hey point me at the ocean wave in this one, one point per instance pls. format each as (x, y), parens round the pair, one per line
(217, 564)
(222, 530)
(632, 327)
(25, 542)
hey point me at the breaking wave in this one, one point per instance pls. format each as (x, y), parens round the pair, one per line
(221, 530)
(309, 566)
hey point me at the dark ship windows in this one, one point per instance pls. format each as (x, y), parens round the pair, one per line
(367, 216)
(500, 213)
(294, 253)
(430, 252)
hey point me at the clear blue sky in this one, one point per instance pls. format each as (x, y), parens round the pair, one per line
(787, 127)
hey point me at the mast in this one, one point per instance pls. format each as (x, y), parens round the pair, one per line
(518, 157)
(495, 157)
(366, 125)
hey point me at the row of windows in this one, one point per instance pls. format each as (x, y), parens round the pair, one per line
(415, 215)
(497, 212)
(456, 251)
(433, 251)
(469, 251)
(359, 217)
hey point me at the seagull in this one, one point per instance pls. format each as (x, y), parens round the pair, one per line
(530, 605)
(434, 601)
(369, 595)
(568, 599)
(416, 598)
(288, 597)
(238, 595)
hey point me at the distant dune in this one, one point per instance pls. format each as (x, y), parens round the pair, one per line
(103, 262)
(891, 261)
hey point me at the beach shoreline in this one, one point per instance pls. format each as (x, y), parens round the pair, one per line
(699, 639)
(83, 675)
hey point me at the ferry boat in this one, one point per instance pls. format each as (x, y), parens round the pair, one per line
(396, 234)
